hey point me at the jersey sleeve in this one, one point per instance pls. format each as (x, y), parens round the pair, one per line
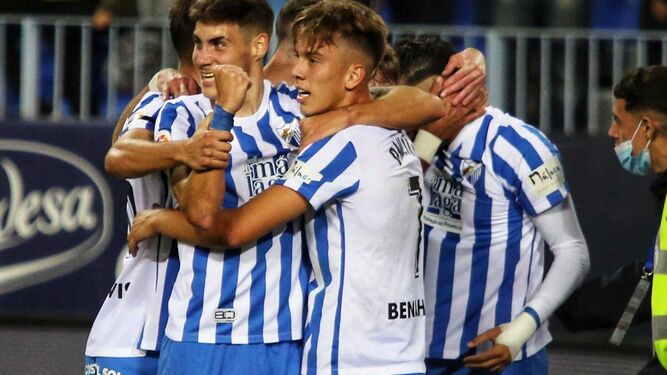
(175, 122)
(325, 171)
(144, 114)
(531, 166)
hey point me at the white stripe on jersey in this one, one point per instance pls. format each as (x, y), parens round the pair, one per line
(366, 307)
(255, 294)
(132, 316)
(484, 256)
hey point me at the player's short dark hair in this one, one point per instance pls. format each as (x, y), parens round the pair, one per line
(254, 16)
(644, 88)
(287, 14)
(420, 57)
(181, 28)
(355, 23)
(386, 72)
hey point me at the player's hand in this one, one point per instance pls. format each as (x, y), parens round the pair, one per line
(320, 126)
(172, 84)
(495, 359)
(232, 84)
(465, 76)
(208, 148)
(455, 117)
(142, 229)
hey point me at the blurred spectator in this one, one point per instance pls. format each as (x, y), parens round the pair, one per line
(652, 17)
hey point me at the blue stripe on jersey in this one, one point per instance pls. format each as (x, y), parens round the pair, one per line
(322, 244)
(284, 313)
(275, 102)
(284, 89)
(339, 304)
(230, 278)
(541, 137)
(480, 139)
(314, 148)
(170, 113)
(247, 143)
(173, 266)
(443, 299)
(480, 263)
(231, 199)
(269, 136)
(258, 287)
(522, 145)
(512, 255)
(196, 303)
(345, 157)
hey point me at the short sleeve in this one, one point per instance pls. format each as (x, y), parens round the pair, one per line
(325, 171)
(175, 122)
(144, 114)
(530, 164)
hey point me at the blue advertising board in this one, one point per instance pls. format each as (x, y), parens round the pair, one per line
(62, 220)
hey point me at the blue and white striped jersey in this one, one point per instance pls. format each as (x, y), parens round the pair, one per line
(484, 255)
(133, 317)
(254, 294)
(366, 308)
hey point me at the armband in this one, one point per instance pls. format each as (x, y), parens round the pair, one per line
(426, 145)
(517, 332)
(222, 120)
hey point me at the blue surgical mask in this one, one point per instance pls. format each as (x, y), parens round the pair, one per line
(639, 164)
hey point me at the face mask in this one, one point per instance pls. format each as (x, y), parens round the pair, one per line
(639, 164)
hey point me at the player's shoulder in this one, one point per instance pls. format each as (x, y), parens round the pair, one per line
(511, 133)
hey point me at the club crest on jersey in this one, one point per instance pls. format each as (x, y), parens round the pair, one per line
(163, 135)
(471, 170)
(262, 173)
(290, 132)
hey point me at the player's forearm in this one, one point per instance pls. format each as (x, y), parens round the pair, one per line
(402, 107)
(560, 228)
(200, 196)
(131, 158)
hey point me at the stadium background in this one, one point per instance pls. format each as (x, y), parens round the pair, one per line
(62, 219)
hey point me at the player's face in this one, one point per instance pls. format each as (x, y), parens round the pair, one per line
(623, 126)
(217, 44)
(320, 76)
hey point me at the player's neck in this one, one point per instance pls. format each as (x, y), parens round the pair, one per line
(253, 98)
(279, 68)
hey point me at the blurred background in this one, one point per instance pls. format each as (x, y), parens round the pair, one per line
(68, 68)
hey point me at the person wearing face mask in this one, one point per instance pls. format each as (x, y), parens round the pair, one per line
(639, 129)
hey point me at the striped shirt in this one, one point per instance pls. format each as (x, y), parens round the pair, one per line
(484, 255)
(134, 314)
(253, 294)
(365, 302)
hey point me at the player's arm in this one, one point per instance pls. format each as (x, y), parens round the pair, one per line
(135, 154)
(230, 228)
(127, 111)
(201, 193)
(560, 229)
(401, 107)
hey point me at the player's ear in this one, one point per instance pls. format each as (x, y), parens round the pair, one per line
(355, 76)
(260, 46)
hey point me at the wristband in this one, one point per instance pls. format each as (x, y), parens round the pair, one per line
(517, 332)
(426, 145)
(222, 120)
